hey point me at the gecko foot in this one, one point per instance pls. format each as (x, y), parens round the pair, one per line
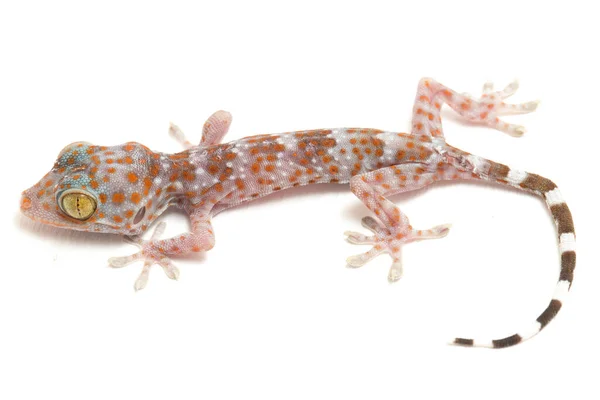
(491, 105)
(389, 240)
(150, 253)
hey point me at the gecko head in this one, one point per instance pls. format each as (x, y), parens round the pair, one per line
(97, 189)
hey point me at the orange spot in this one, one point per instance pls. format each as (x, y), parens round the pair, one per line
(410, 145)
(255, 168)
(94, 184)
(128, 213)
(269, 167)
(135, 197)
(111, 170)
(117, 219)
(118, 198)
(128, 160)
(219, 187)
(49, 183)
(132, 177)
(189, 176)
(102, 197)
(147, 185)
(240, 184)
(483, 115)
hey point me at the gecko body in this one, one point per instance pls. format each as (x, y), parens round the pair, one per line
(123, 189)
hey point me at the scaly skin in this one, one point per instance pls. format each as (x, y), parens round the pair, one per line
(130, 185)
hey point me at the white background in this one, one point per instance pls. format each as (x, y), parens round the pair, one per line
(271, 312)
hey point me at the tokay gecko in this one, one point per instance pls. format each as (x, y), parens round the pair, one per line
(123, 189)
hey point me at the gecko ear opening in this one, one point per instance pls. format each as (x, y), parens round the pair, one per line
(139, 216)
(77, 204)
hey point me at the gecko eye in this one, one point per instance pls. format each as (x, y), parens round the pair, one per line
(77, 204)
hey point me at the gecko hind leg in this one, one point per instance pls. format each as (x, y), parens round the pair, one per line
(394, 229)
(487, 109)
(390, 241)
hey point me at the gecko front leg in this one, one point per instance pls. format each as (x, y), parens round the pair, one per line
(201, 237)
(213, 131)
(155, 251)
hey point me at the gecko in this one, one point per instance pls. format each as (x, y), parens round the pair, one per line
(123, 189)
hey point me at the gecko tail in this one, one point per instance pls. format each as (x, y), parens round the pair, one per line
(495, 172)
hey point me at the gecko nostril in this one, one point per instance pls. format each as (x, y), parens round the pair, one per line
(25, 203)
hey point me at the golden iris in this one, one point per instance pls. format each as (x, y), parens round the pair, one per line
(77, 204)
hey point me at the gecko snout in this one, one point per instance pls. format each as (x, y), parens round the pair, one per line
(25, 202)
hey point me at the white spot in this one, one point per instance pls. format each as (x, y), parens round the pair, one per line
(243, 176)
(215, 180)
(477, 162)
(562, 288)
(166, 166)
(157, 181)
(199, 171)
(482, 343)
(229, 164)
(554, 197)
(241, 169)
(533, 329)
(314, 160)
(235, 150)
(567, 242)
(515, 177)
